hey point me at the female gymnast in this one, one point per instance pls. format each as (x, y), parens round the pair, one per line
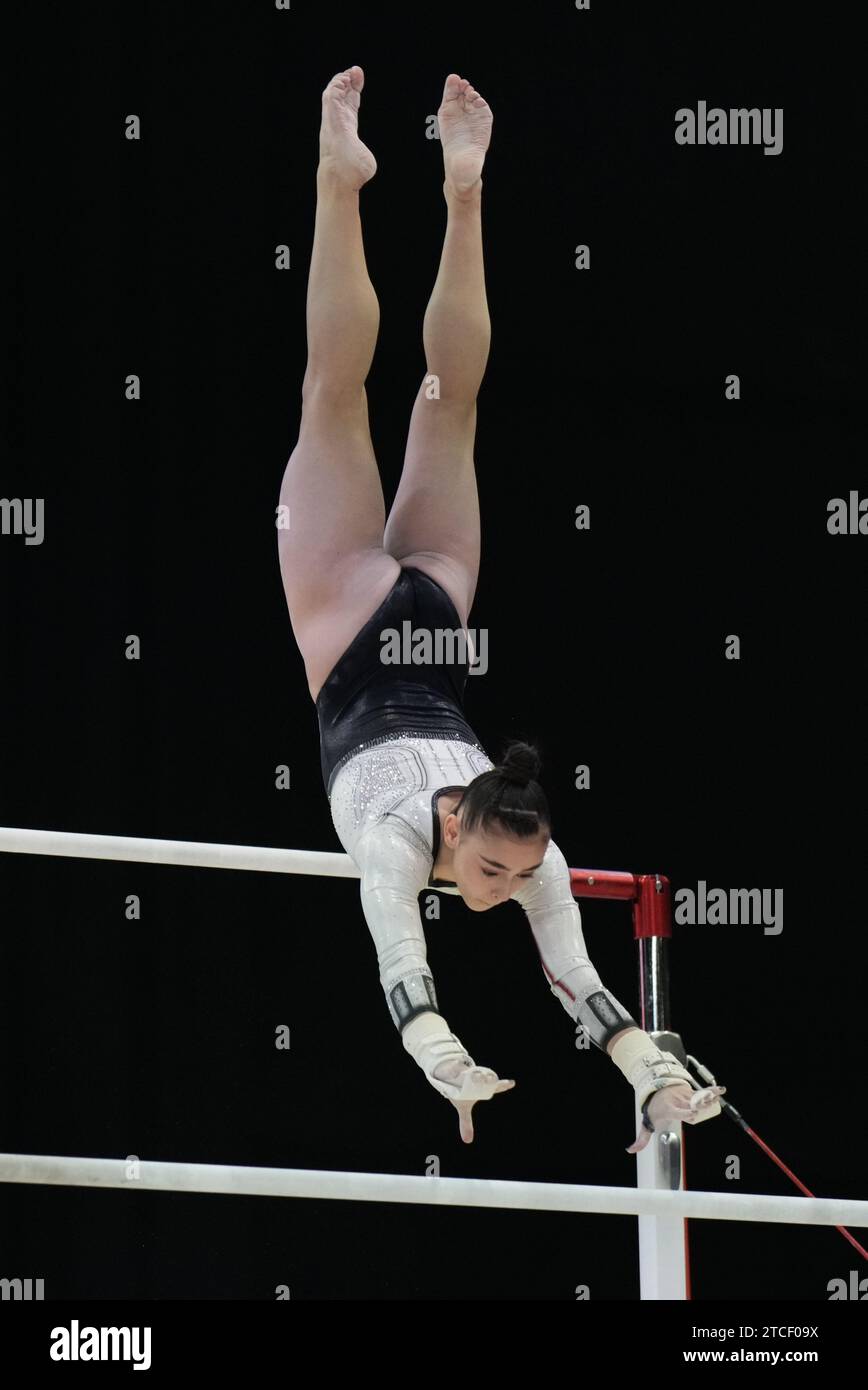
(414, 798)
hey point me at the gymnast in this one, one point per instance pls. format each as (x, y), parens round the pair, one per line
(415, 800)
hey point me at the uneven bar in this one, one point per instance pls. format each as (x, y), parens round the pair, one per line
(194, 854)
(187, 853)
(402, 1187)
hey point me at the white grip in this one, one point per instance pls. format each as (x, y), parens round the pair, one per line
(430, 1041)
(647, 1068)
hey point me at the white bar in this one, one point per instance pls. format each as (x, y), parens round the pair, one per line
(402, 1187)
(662, 1247)
(189, 853)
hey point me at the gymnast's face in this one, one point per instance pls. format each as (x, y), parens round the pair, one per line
(489, 866)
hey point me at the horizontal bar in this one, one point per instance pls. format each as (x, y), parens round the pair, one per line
(192, 854)
(404, 1187)
(189, 853)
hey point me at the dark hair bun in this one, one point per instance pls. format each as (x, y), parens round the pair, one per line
(520, 765)
(508, 799)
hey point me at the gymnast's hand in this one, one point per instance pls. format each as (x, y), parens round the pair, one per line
(673, 1104)
(480, 1083)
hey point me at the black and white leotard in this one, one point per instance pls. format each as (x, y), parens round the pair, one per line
(393, 740)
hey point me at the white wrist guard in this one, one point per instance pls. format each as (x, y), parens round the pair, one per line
(429, 1040)
(647, 1068)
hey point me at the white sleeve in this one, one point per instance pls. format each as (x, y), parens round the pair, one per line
(394, 869)
(556, 923)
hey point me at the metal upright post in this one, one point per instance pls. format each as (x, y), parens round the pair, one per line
(663, 1261)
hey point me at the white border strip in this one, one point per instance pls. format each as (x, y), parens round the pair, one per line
(402, 1187)
(189, 853)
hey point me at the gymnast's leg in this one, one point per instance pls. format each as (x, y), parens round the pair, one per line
(335, 570)
(434, 520)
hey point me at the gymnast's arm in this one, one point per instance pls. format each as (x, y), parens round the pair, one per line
(556, 923)
(394, 868)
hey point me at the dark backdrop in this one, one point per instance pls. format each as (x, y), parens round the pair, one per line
(603, 387)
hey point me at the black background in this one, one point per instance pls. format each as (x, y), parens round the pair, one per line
(604, 387)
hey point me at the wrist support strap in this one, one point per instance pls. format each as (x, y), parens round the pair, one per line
(647, 1068)
(429, 1040)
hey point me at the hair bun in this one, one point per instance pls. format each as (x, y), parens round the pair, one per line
(521, 764)
(507, 799)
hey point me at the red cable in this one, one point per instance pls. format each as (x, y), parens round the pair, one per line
(753, 1134)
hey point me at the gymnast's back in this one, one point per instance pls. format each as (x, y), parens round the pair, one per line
(395, 784)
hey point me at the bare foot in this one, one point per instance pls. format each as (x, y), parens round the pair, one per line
(339, 145)
(465, 119)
